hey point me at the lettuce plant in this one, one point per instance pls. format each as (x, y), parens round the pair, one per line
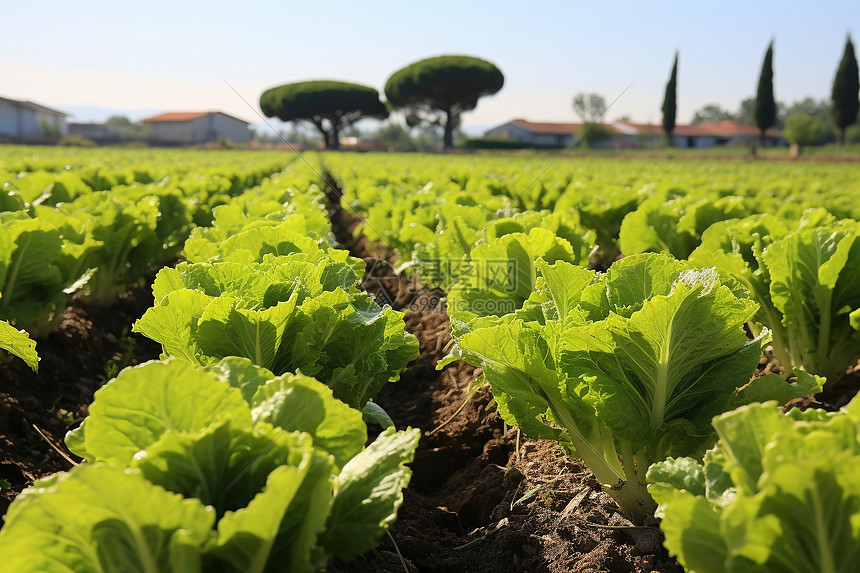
(624, 368)
(497, 277)
(673, 222)
(286, 313)
(139, 228)
(777, 493)
(230, 469)
(38, 272)
(806, 281)
(278, 233)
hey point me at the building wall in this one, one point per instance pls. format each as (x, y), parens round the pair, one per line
(508, 131)
(18, 121)
(9, 119)
(215, 126)
(695, 141)
(50, 124)
(173, 131)
(515, 132)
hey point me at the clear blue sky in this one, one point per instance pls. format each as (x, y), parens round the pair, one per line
(177, 55)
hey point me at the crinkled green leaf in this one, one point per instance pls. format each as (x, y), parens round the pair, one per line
(774, 387)
(97, 518)
(195, 465)
(781, 494)
(31, 278)
(296, 402)
(173, 322)
(691, 525)
(675, 355)
(144, 402)
(563, 284)
(352, 345)
(226, 328)
(501, 275)
(368, 492)
(248, 537)
(241, 373)
(629, 283)
(19, 343)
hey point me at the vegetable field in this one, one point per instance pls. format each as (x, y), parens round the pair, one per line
(243, 361)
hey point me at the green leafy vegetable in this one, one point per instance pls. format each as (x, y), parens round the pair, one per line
(286, 313)
(500, 275)
(806, 283)
(283, 479)
(777, 493)
(624, 368)
(36, 276)
(98, 518)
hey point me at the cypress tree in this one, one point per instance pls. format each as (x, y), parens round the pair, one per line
(670, 102)
(764, 111)
(846, 86)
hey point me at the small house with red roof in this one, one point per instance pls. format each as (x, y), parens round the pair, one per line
(534, 132)
(626, 134)
(193, 127)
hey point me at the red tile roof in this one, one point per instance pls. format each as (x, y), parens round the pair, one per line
(180, 116)
(727, 128)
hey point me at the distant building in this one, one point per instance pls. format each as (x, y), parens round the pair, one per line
(189, 128)
(25, 120)
(727, 132)
(627, 134)
(534, 133)
(100, 133)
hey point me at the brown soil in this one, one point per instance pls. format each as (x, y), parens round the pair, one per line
(90, 346)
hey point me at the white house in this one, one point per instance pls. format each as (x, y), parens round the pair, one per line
(534, 133)
(187, 128)
(25, 119)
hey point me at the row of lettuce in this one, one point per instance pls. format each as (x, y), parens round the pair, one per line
(636, 370)
(244, 448)
(95, 230)
(647, 371)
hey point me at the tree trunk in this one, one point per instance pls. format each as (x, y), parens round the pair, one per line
(794, 150)
(335, 137)
(448, 138)
(842, 130)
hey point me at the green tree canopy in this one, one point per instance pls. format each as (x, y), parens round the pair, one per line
(329, 105)
(711, 113)
(804, 129)
(436, 91)
(591, 134)
(670, 102)
(764, 112)
(846, 87)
